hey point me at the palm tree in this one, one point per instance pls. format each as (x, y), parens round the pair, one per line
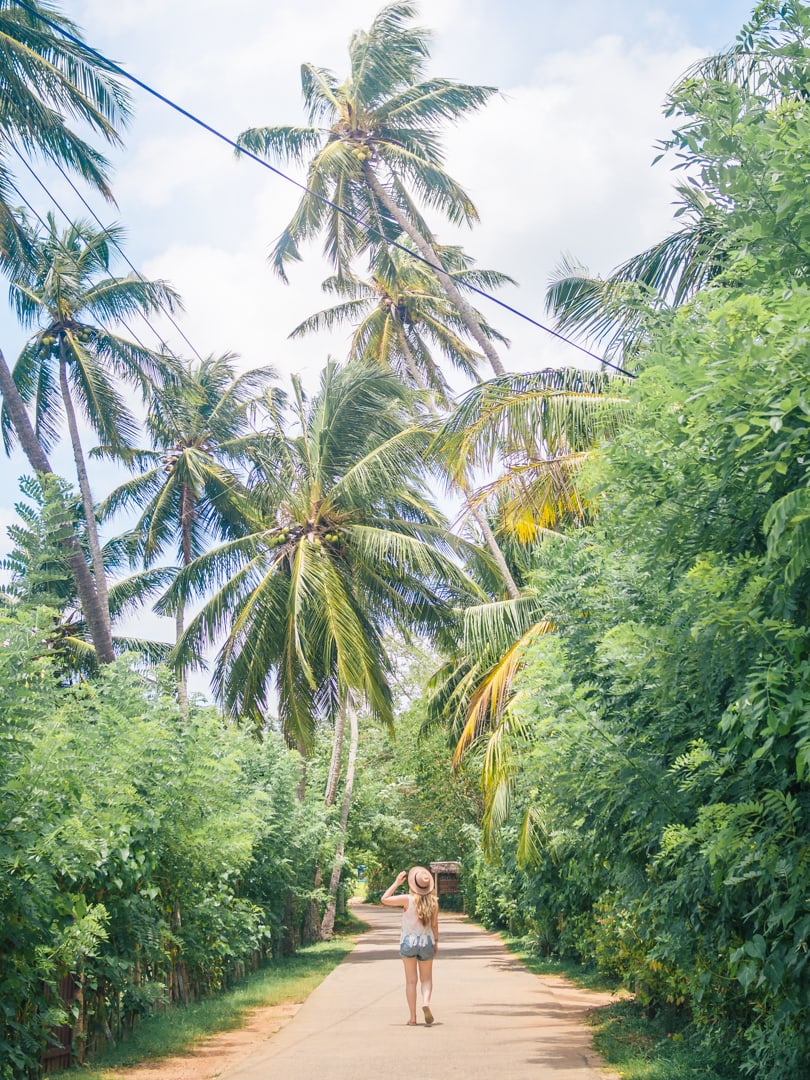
(401, 317)
(188, 487)
(46, 81)
(540, 427)
(62, 286)
(375, 144)
(343, 547)
(40, 577)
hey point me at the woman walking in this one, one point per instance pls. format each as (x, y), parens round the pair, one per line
(419, 938)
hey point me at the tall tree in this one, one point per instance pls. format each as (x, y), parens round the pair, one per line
(39, 577)
(47, 81)
(401, 317)
(376, 152)
(343, 543)
(61, 284)
(404, 318)
(188, 486)
(540, 427)
(344, 546)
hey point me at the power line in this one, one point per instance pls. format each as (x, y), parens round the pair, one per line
(118, 247)
(67, 218)
(112, 66)
(126, 259)
(44, 225)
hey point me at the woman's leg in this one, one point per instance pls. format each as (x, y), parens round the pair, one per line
(426, 980)
(409, 963)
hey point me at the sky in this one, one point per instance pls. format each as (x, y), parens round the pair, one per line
(559, 162)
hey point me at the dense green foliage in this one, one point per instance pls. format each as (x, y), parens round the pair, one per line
(661, 742)
(150, 857)
(410, 807)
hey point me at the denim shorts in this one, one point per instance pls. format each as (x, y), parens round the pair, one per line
(418, 951)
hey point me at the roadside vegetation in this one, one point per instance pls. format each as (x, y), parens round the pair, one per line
(173, 1032)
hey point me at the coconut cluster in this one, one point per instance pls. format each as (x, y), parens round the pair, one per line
(50, 341)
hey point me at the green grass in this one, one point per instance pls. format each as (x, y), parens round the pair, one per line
(635, 1046)
(588, 978)
(177, 1029)
(661, 1048)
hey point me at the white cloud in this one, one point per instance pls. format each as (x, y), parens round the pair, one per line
(166, 168)
(562, 163)
(234, 303)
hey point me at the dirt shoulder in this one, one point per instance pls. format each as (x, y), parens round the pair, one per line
(216, 1054)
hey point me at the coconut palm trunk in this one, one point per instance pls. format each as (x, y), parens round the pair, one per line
(92, 607)
(314, 931)
(187, 511)
(479, 517)
(492, 544)
(426, 249)
(301, 790)
(182, 681)
(21, 422)
(410, 361)
(93, 542)
(335, 760)
(328, 923)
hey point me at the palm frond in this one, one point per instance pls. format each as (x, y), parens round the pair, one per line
(281, 143)
(532, 830)
(489, 703)
(132, 592)
(539, 414)
(390, 55)
(154, 652)
(494, 627)
(428, 103)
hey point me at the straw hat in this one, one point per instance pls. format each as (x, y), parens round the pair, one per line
(420, 881)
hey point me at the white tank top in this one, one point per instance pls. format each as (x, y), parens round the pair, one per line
(414, 932)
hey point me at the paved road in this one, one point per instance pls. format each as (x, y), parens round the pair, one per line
(494, 1019)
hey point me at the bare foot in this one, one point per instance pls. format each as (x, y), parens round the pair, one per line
(411, 1023)
(428, 1015)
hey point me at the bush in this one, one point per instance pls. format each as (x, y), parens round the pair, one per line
(148, 856)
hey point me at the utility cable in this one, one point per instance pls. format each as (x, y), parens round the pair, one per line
(369, 229)
(44, 225)
(126, 259)
(69, 220)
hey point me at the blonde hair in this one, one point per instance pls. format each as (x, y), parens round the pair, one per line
(425, 907)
